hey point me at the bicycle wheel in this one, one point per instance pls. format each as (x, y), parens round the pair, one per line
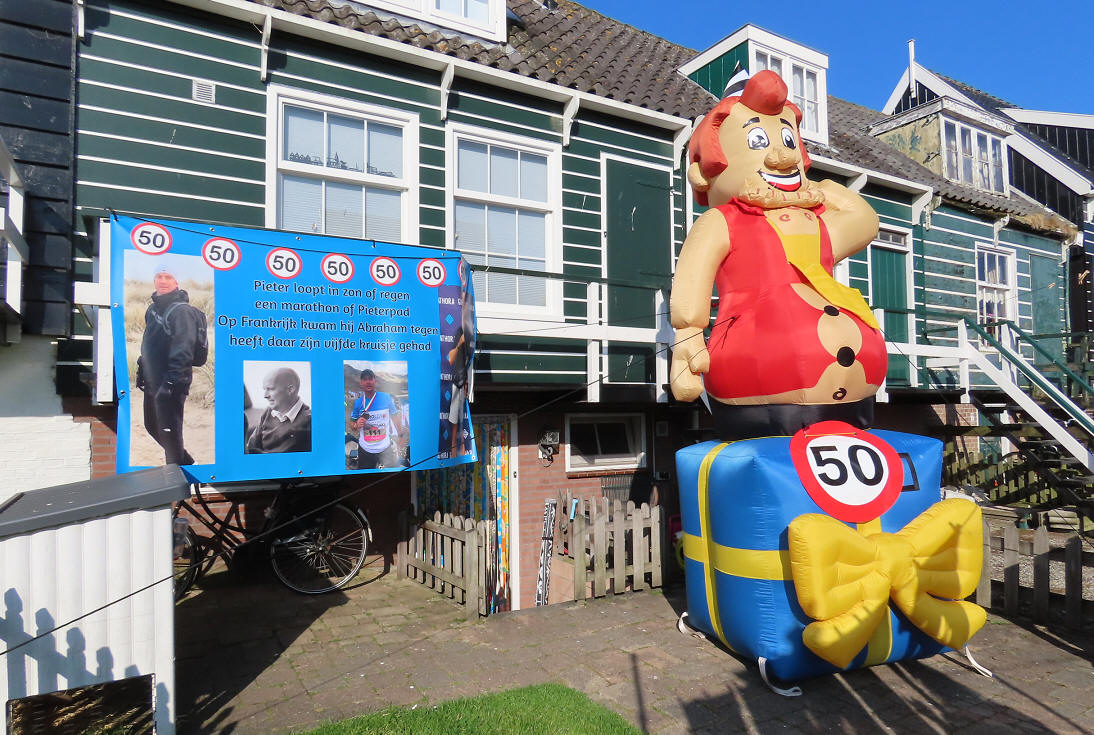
(187, 564)
(322, 552)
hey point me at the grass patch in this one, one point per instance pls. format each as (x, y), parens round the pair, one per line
(544, 709)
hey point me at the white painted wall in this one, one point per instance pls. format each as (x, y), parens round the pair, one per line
(40, 446)
(57, 575)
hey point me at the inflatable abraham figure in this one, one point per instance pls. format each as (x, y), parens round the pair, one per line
(812, 544)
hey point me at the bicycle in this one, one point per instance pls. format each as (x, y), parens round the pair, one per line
(314, 545)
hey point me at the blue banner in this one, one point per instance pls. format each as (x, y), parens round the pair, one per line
(245, 354)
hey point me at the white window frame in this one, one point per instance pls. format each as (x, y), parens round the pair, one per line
(973, 131)
(493, 29)
(788, 61)
(635, 460)
(1010, 300)
(552, 208)
(279, 96)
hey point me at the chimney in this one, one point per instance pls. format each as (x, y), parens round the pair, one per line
(911, 68)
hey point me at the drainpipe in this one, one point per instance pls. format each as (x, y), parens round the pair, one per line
(997, 227)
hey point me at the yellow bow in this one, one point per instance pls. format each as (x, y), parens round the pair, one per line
(844, 578)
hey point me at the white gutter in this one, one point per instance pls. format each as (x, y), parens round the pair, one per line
(267, 31)
(317, 30)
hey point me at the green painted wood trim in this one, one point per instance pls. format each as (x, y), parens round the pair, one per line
(580, 183)
(457, 116)
(431, 177)
(228, 97)
(580, 237)
(571, 218)
(169, 182)
(587, 202)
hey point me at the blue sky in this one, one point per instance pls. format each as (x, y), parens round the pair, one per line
(973, 41)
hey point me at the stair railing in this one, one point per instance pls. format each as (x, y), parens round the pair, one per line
(1005, 376)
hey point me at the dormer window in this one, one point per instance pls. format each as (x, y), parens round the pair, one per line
(803, 69)
(802, 82)
(482, 18)
(974, 157)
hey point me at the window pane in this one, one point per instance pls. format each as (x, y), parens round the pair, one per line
(503, 171)
(301, 207)
(997, 164)
(761, 62)
(303, 136)
(613, 438)
(983, 170)
(531, 235)
(776, 65)
(471, 161)
(383, 215)
(583, 441)
(452, 7)
(798, 80)
(501, 231)
(533, 177)
(346, 143)
(533, 291)
(501, 288)
(343, 210)
(478, 11)
(470, 221)
(951, 150)
(385, 150)
(966, 155)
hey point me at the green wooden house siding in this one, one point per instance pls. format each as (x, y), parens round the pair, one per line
(715, 75)
(144, 146)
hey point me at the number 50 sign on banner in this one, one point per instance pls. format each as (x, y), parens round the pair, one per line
(246, 354)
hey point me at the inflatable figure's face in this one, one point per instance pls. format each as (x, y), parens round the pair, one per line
(763, 164)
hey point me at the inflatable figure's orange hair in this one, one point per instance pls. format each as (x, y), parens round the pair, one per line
(765, 93)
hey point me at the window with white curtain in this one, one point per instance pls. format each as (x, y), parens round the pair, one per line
(504, 208)
(605, 441)
(342, 173)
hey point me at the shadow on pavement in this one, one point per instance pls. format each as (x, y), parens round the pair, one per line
(233, 629)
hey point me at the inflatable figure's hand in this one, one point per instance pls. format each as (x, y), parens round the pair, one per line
(689, 359)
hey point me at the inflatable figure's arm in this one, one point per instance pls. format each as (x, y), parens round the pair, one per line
(851, 222)
(706, 246)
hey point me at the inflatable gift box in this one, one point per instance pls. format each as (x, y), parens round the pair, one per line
(828, 550)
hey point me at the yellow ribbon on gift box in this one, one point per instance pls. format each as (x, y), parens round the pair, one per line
(844, 577)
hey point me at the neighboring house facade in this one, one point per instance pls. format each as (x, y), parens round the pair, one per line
(41, 444)
(546, 143)
(1041, 156)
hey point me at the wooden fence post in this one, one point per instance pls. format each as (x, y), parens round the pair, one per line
(1010, 568)
(470, 570)
(638, 546)
(577, 550)
(600, 546)
(619, 549)
(1040, 575)
(657, 558)
(983, 590)
(1073, 582)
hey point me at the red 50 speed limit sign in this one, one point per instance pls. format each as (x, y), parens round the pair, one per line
(337, 268)
(385, 271)
(220, 253)
(853, 475)
(431, 272)
(150, 238)
(283, 263)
